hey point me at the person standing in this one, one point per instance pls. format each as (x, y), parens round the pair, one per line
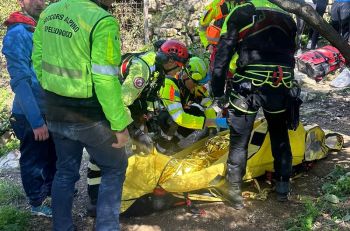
(301, 25)
(321, 6)
(212, 20)
(210, 24)
(340, 17)
(38, 157)
(142, 76)
(263, 35)
(185, 105)
(76, 57)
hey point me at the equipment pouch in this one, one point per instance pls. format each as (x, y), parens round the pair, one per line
(239, 102)
(293, 106)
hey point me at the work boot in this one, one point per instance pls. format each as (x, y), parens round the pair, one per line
(282, 191)
(231, 192)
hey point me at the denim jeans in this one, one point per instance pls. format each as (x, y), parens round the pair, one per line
(37, 162)
(97, 138)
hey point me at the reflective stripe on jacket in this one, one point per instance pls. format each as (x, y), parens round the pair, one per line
(77, 53)
(212, 20)
(245, 31)
(170, 95)
(139, 72)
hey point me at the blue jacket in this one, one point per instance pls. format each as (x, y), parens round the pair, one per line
(17, 48)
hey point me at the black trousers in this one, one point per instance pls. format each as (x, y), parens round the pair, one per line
(273, 101)
(314, 34)
(340, 18)
(321, 6)
(37, 161)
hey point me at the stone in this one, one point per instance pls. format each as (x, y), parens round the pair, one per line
(171, 32)
(11, 160)
(152, 6)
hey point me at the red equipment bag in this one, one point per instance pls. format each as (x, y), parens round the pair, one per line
(319, 62)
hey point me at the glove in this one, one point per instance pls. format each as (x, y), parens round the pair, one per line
(220, 103)
(221, 123)
(144, 143)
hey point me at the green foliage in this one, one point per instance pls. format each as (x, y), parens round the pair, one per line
(10, 193)
(6, 8)
(4, 110)
(338, 184)
(305, 220)
(13, 219)
(337, 172)
(336, 190)
(9, 146)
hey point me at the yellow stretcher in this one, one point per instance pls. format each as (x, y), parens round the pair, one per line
(202, 165)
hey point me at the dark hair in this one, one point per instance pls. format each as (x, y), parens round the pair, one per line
(157, 44)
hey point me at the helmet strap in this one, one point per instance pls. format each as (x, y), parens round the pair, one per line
(171, 69)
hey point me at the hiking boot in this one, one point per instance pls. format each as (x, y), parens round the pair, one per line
(282, 191)
(91, 210)
(232, 194)
(41, 210)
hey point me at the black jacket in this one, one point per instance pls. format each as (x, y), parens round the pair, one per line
(270, 40)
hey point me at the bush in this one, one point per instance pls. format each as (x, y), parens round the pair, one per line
(336, 191)
(8, 147)
(10, 193)
(5, 97)
(305, 220)
(6, 8)
(13, 219)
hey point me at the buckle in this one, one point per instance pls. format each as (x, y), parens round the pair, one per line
(277, 76)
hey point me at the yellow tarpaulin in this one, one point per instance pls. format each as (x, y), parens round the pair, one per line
(203, 163)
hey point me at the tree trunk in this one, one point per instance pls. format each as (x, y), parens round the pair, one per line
(309, 15)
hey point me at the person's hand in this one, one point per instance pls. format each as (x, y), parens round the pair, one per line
(122, 138)
(41, 133)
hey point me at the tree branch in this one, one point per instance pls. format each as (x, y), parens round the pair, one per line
(309, 15)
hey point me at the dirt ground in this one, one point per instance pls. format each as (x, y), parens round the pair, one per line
(322, 105)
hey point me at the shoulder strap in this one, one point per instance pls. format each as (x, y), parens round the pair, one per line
(127, 60)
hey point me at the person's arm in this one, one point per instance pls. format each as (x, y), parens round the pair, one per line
(135, 82)
(239, 17)
(105, 59)
(210, 13)
(170, 96)
(17, 50)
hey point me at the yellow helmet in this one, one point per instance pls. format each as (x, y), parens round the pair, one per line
(197, 70)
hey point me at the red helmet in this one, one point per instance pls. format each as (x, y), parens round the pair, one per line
(175, 50)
